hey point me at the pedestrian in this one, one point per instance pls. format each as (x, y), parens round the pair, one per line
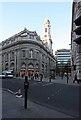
(35, 76)
(50, 78)
(75, 78)
(67, 77)
(32, 77)
(41, 76)
(62, 75)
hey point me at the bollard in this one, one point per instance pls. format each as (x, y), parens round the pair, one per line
(26, 87)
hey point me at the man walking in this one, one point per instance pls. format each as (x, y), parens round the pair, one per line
(75, 78)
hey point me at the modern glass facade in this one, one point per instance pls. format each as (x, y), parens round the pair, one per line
(63, 57)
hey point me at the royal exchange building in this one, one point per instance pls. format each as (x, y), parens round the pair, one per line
(25, 52)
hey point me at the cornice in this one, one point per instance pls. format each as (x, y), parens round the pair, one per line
(27, 42)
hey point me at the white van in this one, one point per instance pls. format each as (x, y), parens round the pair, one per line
(6, 74)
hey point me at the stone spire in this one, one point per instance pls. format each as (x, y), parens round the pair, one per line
(47, 41)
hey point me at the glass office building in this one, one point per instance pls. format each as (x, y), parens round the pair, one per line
(63, 57)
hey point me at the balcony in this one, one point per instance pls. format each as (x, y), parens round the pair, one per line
(78, 30)
(78, 17)
(78, 40)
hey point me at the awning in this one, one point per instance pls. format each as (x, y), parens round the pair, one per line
(78, 21)
(78, 40)
(78, 30)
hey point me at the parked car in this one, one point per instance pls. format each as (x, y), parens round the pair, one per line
(6, 74)
(2, 75)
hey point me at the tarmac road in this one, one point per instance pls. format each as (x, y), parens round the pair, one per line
(62, 97)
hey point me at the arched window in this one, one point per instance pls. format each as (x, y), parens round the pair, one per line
(23, 65)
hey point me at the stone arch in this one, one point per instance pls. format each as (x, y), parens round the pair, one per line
(23, 69)
(30, 66)
(23, 65)
(30, 69)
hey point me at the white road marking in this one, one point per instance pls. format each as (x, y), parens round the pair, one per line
(48, 98)
(47, 84)
(10, 91)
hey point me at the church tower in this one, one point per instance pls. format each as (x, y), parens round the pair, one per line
(47, 41)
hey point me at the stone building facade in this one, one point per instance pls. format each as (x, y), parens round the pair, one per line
(26, 52)
(76, 40)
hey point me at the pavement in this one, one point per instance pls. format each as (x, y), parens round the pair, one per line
(59, 80)
(13, 107)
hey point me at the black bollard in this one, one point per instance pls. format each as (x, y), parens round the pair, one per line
(26, 87)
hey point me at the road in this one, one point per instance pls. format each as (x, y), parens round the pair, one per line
(64, 98)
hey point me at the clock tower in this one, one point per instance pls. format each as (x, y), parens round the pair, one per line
(47, 41)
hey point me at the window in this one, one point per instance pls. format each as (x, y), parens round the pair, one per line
(23, 53)
(7, 56)
(45, 29)
(2, 58)
(6, 59)
(12, 55)
(79, 5)
(31, 36)
(45, 35)
(42, 57)
(31, 53)
(74, 67)
(37, 55)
